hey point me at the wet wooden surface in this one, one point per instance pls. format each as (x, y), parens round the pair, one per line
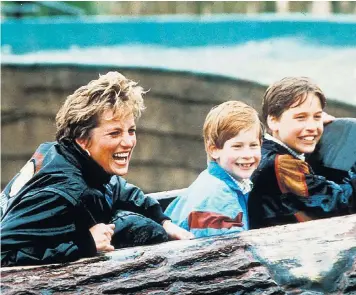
(316, 257)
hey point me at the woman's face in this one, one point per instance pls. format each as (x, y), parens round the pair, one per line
(112, 142)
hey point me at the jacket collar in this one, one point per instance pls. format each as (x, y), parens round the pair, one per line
(90, 169)
(244, 185)
(292, 152)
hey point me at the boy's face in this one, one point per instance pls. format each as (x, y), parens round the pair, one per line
(241, 154)
(300, 127)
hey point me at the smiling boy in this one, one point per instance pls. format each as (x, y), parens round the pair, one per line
(286, 189)
(216, 202)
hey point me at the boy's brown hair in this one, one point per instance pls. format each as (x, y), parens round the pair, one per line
(225, 121)
(286, 92)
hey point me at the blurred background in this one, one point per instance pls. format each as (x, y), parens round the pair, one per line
(50, 8)
(190, 55)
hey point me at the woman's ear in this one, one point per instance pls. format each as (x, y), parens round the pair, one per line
(83, 143)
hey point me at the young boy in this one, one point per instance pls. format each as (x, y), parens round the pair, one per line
(216, 202)
(286, 190)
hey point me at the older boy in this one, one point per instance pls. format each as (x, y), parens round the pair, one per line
(286, 190)
(216, 202)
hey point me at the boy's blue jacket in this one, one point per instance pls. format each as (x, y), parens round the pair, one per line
(286, 190)
(212, 205)
(48, 219)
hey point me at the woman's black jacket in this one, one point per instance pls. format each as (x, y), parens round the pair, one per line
(46, 216)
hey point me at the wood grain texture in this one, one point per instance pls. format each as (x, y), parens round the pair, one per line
(316, 257)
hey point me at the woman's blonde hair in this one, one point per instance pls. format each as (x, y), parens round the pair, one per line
(81, 111)
(226, 120)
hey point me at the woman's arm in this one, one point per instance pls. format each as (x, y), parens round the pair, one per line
(129, 197)
(44, 228)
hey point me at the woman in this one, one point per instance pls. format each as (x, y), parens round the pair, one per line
(69, 200)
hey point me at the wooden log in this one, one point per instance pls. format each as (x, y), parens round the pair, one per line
(316, 257)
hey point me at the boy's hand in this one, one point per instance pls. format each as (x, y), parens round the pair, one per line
(102, 234)
(175, 232)
(327, 118)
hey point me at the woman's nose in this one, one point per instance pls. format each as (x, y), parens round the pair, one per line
(127, 140)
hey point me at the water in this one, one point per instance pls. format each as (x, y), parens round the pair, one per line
(332, 68)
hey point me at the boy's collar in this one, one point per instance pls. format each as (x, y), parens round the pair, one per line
(294, 153)
(245, 185)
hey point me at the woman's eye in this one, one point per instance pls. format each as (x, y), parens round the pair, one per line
(132, 131)
(113, 134)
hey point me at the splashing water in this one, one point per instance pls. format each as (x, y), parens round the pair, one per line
(266, 61)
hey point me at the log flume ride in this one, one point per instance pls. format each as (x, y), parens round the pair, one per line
(310, 258)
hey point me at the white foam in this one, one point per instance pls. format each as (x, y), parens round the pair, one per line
(332, 68)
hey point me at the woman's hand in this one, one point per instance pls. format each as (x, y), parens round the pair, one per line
(175, 232)
(102, 234)
(327, 118)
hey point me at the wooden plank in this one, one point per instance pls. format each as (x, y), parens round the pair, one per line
(316, 257)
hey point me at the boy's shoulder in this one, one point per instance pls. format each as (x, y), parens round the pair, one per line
(209, 185)
(205, 182)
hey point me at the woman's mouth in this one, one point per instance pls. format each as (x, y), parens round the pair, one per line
(121, 158)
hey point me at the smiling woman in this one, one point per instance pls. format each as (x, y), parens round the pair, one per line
(70, 201)
(112, 142)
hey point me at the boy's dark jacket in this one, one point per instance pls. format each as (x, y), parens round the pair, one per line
(48, 220)
(286, 190)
